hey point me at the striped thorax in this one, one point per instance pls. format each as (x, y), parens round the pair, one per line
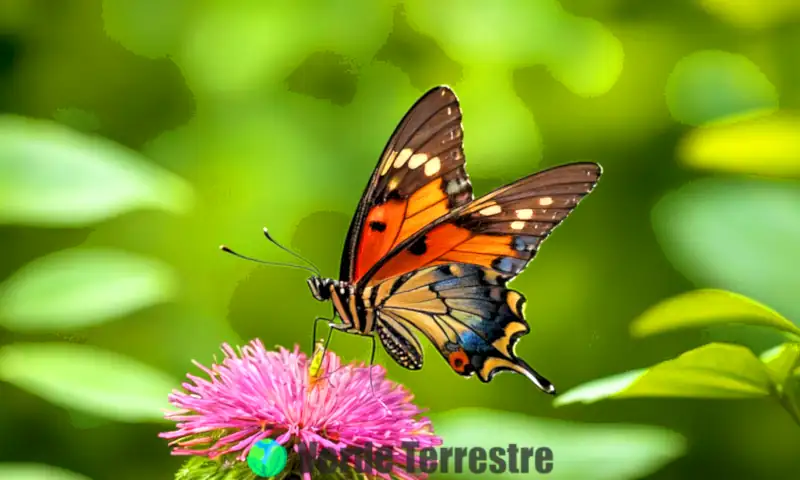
(356, 311)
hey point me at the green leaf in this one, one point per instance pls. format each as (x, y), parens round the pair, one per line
(705, 308)
(715, 370)
(781, 360)
(53, 176)
(229, 468)
(737, 235)
(201, 468)
(88, 379)
(36, 471)
(81, 287)
(598, 389)
(580, 451)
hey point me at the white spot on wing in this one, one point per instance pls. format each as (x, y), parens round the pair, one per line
(493, 210)
(525, 214)
(544, 201)
(404, 155)
(433, 166)
(517, 225)
(416, 160)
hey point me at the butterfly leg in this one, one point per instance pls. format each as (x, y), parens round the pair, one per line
(371, 384)
(314, 331)
(327, 342)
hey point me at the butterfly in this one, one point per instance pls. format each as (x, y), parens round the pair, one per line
(423, 255)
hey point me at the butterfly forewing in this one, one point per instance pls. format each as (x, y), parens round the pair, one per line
(464, 310)
(419, 178)
(501, 231)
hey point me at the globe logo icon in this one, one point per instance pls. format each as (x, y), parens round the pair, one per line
(267, 458)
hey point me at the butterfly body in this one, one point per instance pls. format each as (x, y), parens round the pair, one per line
(422, 254)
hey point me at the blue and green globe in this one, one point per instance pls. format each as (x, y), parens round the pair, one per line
(267, 458)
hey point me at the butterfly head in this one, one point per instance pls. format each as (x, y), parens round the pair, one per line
(320, 288)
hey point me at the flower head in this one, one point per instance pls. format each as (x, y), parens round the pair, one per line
(307, 405)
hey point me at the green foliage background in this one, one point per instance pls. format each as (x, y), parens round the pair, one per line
(138, 135)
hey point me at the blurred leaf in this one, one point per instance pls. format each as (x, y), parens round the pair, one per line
(84, 421)
(781, 360)
(580, 451)
(715, 370)
(88, 379)
(768, 146)
(150, 28)
(233, 50)
(82, 287)
(709, 85)
(703, 308)
(258, 44)
(589, 60)
(750, 14)
(77, 118)
(36, 471)
(581, 53)
(53, 176)
(496, 33)
(738, 235)
(502, 132)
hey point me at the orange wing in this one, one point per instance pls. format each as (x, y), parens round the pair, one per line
(501, 231)
(419, 178)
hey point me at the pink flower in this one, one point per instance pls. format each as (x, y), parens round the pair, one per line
(305, 406)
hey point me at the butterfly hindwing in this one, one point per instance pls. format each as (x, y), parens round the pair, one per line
(419, 178)
(399, 342)
(464, 310)
(501, 231)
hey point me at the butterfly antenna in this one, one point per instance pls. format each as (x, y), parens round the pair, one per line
(386, 410)
(276, 264)
(296, 255)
